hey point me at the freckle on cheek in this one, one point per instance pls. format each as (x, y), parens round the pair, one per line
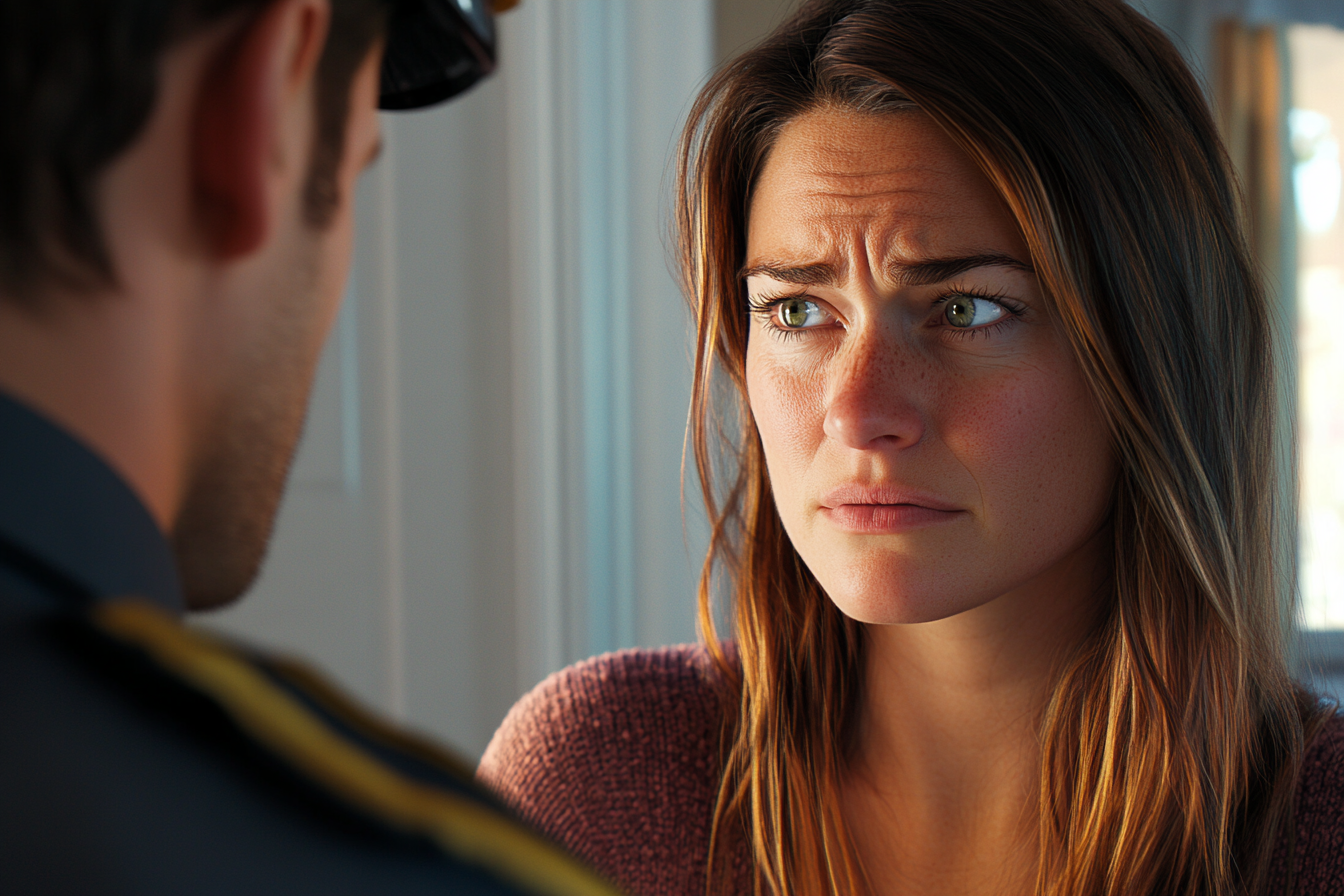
(786, 406)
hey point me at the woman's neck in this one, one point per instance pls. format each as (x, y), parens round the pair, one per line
(942, 791)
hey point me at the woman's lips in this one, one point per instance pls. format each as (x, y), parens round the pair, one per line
(885, 518)
(884, 509)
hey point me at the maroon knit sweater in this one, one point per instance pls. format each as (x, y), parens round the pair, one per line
(617, 758)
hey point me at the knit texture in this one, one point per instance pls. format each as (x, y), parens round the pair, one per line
(618, 758)
(1318, 843)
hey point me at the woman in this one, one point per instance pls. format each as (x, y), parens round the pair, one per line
(1003, 523)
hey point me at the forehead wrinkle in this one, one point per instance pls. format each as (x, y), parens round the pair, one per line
(809, 274)
(821, 261)
(821, 164)
(930, 270)
(892, 219)
(878, 202)
(858, 165)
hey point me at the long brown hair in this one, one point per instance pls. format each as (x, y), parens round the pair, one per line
(1171, 742)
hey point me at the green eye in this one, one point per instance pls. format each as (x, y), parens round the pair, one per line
(797, 313)
(961, 312)
(964, 312)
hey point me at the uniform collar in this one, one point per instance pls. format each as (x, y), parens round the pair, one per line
(65, 516)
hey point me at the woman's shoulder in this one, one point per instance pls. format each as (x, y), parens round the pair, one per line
(1310, 854)
(1318, 850)
(647, 702)
(1322, 781)
(619, 759)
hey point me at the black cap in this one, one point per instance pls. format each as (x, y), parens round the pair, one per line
(436, 49)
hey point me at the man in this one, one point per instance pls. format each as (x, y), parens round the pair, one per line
(176, 187)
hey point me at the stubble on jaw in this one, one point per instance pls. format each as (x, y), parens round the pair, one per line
(245, 451)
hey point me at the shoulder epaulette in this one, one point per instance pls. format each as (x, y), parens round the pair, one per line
(300, 733)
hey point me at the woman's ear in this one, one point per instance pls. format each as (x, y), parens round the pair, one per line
(252, 131)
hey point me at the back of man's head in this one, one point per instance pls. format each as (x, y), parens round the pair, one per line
(78, 82)
(176, 216)
(176, 192)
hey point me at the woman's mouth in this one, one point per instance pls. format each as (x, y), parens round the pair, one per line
(885, 510)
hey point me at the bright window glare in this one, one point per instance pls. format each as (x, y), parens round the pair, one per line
(1316, 126)
(1315, 169)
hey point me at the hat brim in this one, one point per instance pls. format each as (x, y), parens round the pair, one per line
(434, 52)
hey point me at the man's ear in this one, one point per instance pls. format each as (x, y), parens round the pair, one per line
(253, 125)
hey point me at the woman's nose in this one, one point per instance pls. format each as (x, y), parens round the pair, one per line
(870, 399)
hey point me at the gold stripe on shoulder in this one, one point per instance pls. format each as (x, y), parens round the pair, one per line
(275, 719)
(366, 723)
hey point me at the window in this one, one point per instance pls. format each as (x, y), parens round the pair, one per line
(1315, 128)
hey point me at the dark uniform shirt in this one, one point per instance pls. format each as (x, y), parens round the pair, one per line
(138, 756)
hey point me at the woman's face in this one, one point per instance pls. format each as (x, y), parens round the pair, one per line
(930, 441)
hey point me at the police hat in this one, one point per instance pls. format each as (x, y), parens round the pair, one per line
(435, 50)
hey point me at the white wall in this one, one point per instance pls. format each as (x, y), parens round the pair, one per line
(597, 94)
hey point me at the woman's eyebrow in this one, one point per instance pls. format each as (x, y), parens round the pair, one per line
(923, 272)
(806, 274)
(929, 271)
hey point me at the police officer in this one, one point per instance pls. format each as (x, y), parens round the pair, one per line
(176, 183)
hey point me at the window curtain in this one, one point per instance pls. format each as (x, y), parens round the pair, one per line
(1249, 100)
(1237, 48)
(1282, 12)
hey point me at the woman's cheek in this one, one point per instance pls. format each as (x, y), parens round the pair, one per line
(1038, 450)
(787, 404)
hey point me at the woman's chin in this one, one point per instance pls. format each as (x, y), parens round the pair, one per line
(875, 581)
(902, 602)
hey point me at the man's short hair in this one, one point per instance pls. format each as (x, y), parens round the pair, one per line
(78, 81)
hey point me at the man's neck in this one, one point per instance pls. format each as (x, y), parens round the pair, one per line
(96, 365)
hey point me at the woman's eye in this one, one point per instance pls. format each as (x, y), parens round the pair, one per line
(798, 314)
(968, 311)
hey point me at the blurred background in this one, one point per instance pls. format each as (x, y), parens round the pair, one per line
(489, 485)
